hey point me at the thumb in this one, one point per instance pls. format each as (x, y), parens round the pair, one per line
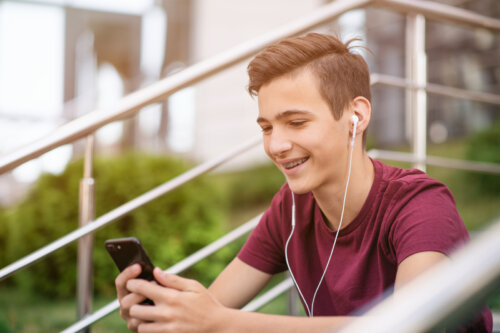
(175, 282)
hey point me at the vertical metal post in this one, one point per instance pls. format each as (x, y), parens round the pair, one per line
(85, 244)
(293, 296)
(409, 36)
(416, 71)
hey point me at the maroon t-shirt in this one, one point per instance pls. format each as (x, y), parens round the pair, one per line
(405, 212)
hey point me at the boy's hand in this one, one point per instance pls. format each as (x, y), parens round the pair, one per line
(181, 305)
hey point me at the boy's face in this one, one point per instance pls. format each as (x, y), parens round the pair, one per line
(300, 134)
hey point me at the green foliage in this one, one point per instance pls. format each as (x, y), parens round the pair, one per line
(170, 228)
(485, 147)
(3, 237)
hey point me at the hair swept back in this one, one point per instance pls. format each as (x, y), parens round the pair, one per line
(342, 75)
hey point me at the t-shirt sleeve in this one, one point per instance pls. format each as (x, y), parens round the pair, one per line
(264, 249)
(426, 220)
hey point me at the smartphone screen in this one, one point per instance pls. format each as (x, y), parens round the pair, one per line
(128, 251)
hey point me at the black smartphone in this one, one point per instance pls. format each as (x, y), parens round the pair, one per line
(128, 251)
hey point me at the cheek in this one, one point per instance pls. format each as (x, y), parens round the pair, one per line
(334, 136)
(330, 148)
(324, 138)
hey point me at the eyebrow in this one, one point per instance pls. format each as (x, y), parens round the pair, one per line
(285, 114)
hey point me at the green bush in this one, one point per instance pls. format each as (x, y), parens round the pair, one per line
(485, 147)
(3, 237)
(170, 228)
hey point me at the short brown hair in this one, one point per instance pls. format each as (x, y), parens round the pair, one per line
(342, 75)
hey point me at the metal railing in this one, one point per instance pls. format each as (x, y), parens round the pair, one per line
(123, 210)
(132, 103)
(442, 296)
(176, 269)
(436, 89)
(415, 84)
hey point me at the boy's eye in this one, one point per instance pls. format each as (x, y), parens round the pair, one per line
(297, 123)
(266, 129)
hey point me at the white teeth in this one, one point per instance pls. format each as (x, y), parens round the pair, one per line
(294, 164)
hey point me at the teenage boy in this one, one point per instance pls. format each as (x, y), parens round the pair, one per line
(347, 227)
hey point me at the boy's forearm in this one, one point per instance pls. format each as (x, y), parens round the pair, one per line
(232, 320)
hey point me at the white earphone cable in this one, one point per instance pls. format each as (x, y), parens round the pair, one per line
(286, 257)
(310, 312)
(337, 233)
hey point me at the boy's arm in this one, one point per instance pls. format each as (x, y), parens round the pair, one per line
(238, 284)
(416, 264)
(408, 269)
(184, 305)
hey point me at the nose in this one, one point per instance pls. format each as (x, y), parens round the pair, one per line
(278, 144)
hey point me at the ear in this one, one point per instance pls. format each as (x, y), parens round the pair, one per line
(361, 107)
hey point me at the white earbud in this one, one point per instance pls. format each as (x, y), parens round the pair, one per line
(355, 120)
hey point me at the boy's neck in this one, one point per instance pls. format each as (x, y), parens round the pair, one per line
(330, 198)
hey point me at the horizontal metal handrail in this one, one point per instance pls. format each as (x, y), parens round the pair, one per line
(443, 295)
(436, 89)
(132, 103)
(268, 296)
(436, 161)
(441, 12)
(125, 209)
(175, 269)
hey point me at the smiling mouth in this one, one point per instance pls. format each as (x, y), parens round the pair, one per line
(293, 164)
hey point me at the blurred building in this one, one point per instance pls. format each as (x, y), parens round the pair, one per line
(457, 56)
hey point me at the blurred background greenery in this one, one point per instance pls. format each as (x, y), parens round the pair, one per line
(50, 210)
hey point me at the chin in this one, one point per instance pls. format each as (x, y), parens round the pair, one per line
(298, 188)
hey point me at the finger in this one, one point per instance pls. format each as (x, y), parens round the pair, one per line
(175, 281)
(151, 290)
(155, 328)
(133, 324)
(128, 273)
(131, 299)
(151, 313)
